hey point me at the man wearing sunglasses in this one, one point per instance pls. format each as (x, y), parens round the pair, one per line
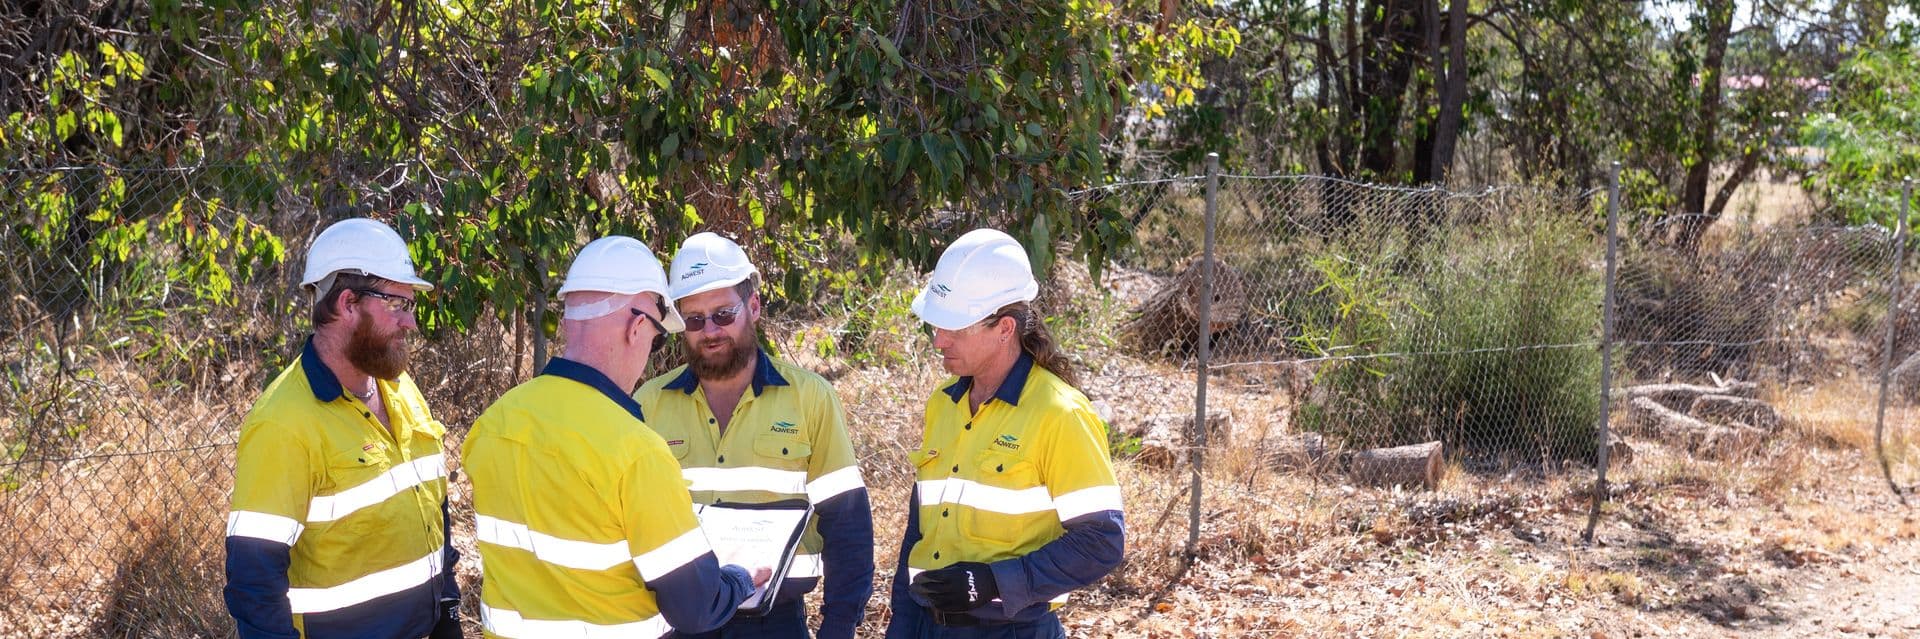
(583, 524)
(749, 428)
(339, 519)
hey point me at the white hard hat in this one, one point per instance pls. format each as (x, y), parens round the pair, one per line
(983, 271)
(363, 247)
(621, 265)
(708, 262)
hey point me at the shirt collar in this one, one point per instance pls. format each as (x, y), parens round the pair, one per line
(764, 375)
(568, 369)
(1010, 388)
(325, 384)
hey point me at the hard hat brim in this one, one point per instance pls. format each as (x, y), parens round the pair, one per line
(712, 286)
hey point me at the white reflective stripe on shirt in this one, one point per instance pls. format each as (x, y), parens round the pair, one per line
(789, 482)
(973, 494)
(672, 555)
(584, 555)
(364, 589)
(373, 491)
(509, 623)
(834, 484)
(805, 566)
(265, 527)
(1086, 501)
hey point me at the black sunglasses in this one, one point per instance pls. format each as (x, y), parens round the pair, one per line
(722, 317)
(660, 331)
(395, 303)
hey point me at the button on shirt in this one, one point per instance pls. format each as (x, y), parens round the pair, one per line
(338, 525)
(787, 439)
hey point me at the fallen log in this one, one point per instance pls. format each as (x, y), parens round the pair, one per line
(1727, 409)
(1650, 418)
(1419, 464)
(1683, 394)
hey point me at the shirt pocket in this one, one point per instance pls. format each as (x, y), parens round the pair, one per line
(1005, 501)
(782, 452)
(355, 480)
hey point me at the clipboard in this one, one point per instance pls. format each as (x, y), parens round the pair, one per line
(752, 535)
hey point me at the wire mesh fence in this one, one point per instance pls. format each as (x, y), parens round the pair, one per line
(1359, 322)
(1398, 332)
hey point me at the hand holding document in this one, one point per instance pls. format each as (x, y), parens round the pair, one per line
(759, 537)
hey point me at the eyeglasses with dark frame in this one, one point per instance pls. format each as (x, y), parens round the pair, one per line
(722, 317)
(660, 330)
(395, 303)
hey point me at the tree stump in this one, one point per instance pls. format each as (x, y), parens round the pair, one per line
(1305, 452)
(1170, 319)
(1419, 464)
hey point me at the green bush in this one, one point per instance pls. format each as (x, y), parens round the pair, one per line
(1487, 345)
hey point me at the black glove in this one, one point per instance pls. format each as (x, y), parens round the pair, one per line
(957, 588)
(449, 625)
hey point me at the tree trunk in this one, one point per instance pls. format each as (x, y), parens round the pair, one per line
(1706, 126)
(1419, 464)
(1453, 94)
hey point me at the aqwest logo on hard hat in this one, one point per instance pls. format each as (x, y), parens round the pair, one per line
(696, 269)
(940, 290)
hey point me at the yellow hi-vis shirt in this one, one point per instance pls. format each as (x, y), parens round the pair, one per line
(584, 525)
(787, 439)
(1003, 485)
(337, 525)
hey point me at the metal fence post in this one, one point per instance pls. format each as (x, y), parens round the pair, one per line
(1205, 356)
(1886, 363)
(1606, 353)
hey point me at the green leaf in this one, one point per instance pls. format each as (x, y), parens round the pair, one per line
(659, 77)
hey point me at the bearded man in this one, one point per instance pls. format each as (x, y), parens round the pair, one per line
(750, 428)
(339, 524)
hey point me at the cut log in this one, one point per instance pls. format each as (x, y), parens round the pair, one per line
(1650, 418)
(1416, 465)
(1727, 409)
(1169, 321)
(1683, 394)
(1305, 452)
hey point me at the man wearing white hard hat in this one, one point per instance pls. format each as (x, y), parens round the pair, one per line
(1014, 504)
(339, 519)
(584, 526)
(750, 428)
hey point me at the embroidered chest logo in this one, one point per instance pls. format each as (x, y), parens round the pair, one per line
(1008, 442)
(786, 427)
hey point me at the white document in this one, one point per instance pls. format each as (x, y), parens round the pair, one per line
(756, 536)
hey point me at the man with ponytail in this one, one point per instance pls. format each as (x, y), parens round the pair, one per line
(1015, 504)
